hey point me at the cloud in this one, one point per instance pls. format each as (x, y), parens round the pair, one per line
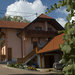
(73, 18)
(61, 21)
(26, 9)
(62, 11)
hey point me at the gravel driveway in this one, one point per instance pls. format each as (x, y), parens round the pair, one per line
(4, 70)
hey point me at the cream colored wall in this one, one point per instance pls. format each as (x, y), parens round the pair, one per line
(14, 42)
(28, 45)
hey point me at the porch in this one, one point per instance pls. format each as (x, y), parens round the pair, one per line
(47, 60)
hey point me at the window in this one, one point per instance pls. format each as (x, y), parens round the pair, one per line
(38, 28)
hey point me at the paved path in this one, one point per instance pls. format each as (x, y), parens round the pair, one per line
(4, 70)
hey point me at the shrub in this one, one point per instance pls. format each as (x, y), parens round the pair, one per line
(11, 65)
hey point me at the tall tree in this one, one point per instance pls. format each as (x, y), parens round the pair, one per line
(68, 47)
(15, 18)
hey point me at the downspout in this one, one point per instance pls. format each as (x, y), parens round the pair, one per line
(21, 45)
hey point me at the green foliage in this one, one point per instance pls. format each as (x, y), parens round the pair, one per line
(68, 47)
(21, 66)
(11, 65)
(15, 18)
(69, 67)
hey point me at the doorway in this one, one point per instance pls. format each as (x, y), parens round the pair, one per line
(9, 54)
(49, 61)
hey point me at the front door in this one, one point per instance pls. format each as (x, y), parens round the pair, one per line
(9, 54)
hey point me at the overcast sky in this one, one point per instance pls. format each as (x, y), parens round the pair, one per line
(29, 8)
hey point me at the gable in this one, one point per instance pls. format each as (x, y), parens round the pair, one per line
(43, 18)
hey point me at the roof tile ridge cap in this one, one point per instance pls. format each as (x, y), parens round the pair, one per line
(45, 15)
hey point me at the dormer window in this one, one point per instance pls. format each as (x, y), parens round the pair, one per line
(38, 28)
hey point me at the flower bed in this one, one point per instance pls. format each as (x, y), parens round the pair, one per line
(21, 66)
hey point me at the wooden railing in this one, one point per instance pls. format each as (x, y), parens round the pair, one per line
(36, 33)
(23, 60)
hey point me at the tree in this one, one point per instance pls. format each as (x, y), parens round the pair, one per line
(15, 18)
(68, 47)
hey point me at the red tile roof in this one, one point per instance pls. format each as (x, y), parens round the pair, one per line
(19, 25)
(12, 24)
(45, 16)
(53, 44)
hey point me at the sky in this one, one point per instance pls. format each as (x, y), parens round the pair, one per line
(28, 9)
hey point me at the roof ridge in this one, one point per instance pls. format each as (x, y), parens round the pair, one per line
(45, 16)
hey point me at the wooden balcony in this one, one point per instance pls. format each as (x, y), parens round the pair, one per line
(41, 34)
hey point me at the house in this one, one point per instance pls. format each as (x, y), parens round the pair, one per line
(31, 43)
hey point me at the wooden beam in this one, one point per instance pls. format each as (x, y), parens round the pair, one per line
(40, 61)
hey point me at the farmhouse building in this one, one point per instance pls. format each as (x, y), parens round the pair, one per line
(31, 43)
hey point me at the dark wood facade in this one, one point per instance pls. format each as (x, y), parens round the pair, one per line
(41, 34)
